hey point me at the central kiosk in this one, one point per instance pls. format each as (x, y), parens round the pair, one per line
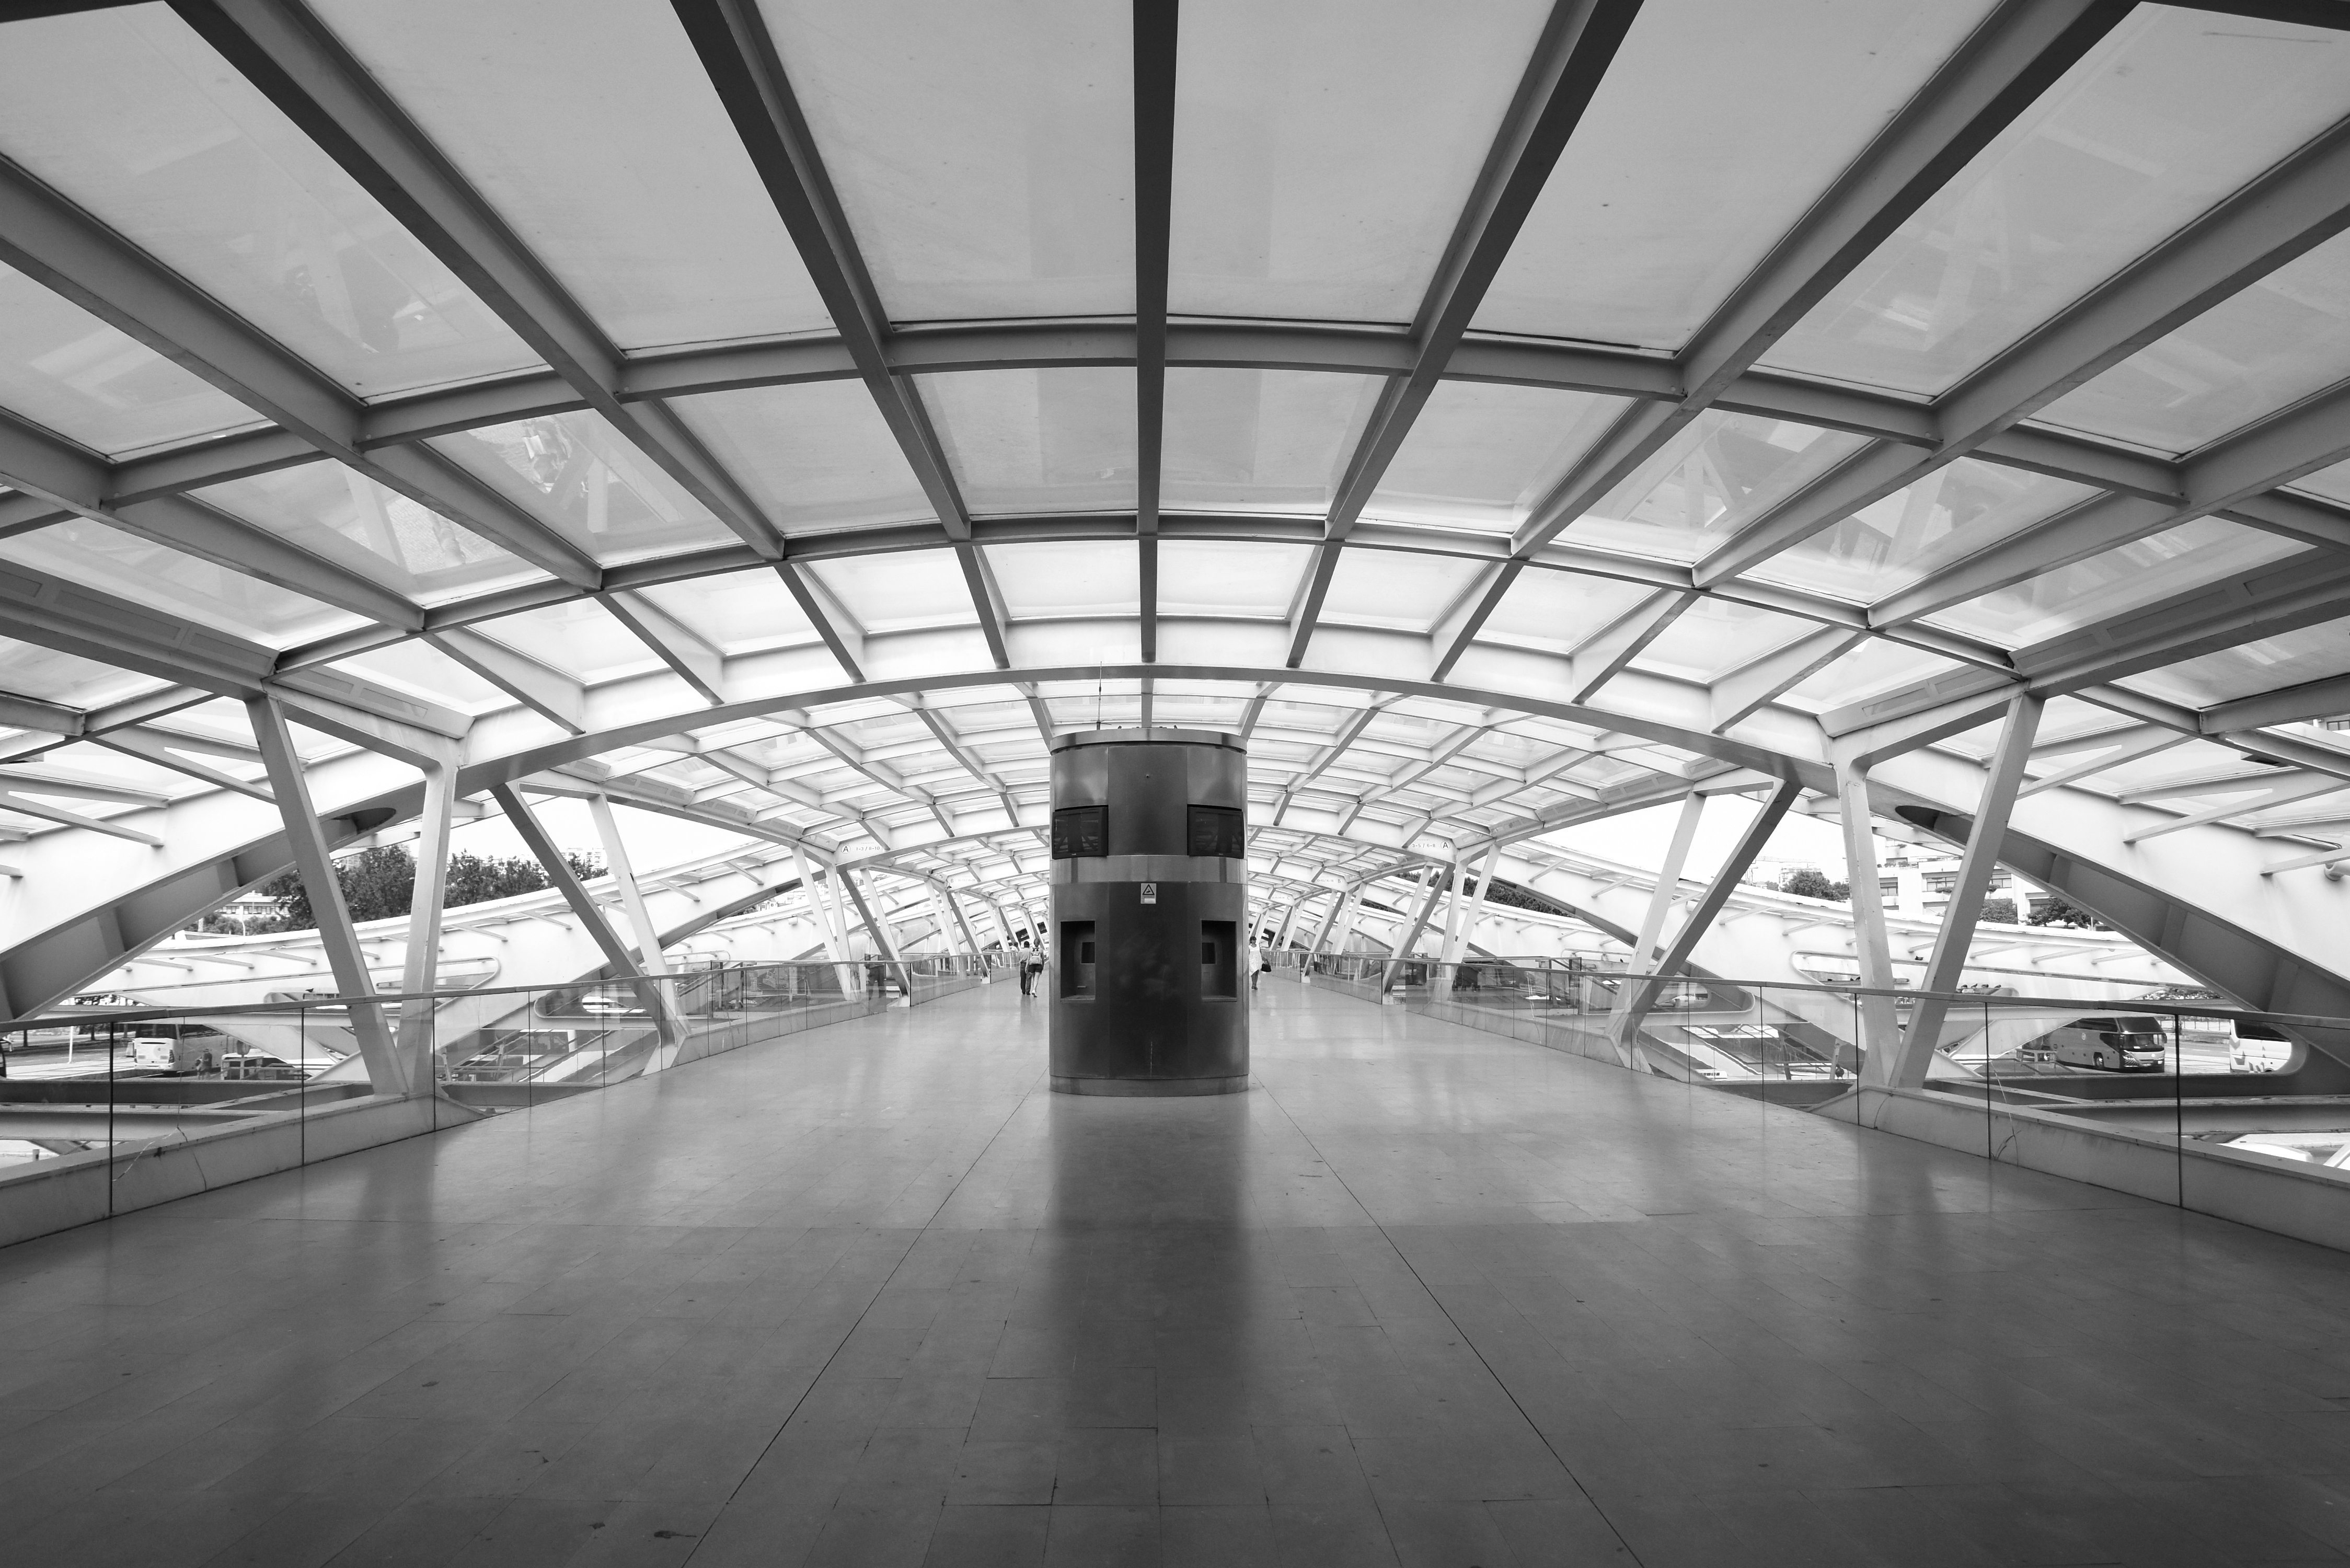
(1150, 913)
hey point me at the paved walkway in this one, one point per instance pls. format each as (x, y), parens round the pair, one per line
(871, 1295)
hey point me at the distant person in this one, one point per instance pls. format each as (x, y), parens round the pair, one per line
(1031, 971)
(1257, 962)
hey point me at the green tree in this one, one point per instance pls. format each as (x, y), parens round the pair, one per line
(2062, 912)
(1807, 882)
(2001, 910)
(381, 882)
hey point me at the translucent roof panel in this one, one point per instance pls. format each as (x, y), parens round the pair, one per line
(815, 457)
(2282, 338)
(1400, 589)
(1038, 441)
(1921, 528)
(592, 128)
(1481, 455)
(2329, 484)
(1869, 669)
(1260, 440)
(133, 118)
(339, 514)
(586, 482)
(907, 590)
(1560, 611)
(2170, 113)
(2249, 669)
(2190, 555)
(1203, 577)
(177, 584)
(421, 669)
(1718, 473)
(28, 669)
(1649, 220)
(1079, 578)
(1714, 635)
(578, 636)
(742, 612)
(66, 370)
(984, 150)
(1324, 150)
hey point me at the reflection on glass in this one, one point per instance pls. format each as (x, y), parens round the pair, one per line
(1718, 473)
(178, 584)
(1260, 440)
(66, 370)
(2288, 659)
(2283, 337)
(814, 457)
(1038, 441)
(1952, 513)
(337, 513)
(136, 120)
(580, 476)
(2174, 110)
(2193, 556)
(1480, 456)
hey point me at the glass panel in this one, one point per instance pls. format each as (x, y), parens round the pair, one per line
(44, 675)
(814, 457)
(66, 370)
(1400, 589)
(984, 150)
(1713, 636)
(337, 513)
(1952, 513)
(1038, 441)
(1261, 440)
(2247, 669)
(2327, 484)
(1649, 220)
(906, 590)
(1201, 578)
(592, 128)
(422, 670)
(133, 118)
(1324, 150)
(1560, 611)
(1716, 475)
(578, 637)
(1869, 669)
(2274, 344)
(1480, 456)
(97, 556)
(1073, 579)
(583, 479)
(742, 612)
(2171, 112)
(2190, 555)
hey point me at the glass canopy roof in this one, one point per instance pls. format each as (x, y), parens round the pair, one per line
(1494, 413)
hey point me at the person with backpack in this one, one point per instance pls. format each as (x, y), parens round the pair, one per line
(1031, 971)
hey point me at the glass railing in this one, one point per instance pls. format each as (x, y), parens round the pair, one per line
(116, 1084)
(2161, 1072)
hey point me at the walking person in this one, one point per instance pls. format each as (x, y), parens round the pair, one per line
(1031, 971)
(1256, 959)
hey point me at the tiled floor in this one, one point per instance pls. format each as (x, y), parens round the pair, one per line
(871, 1295)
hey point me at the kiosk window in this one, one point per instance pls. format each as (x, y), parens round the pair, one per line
(1217, 830)
(1080, 831)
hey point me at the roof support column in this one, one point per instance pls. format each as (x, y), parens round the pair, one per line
(616, 953)
(1402, 950)
(1907, 1070)
(420, 973)
(1751, 844)
(828, 920)
(316, 866)
(970, 936)
(878, 930)
(1458, 943)
(649, 948)
(1879, 1034)
(1622, 1018)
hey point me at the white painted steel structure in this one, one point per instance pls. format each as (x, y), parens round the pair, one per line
(788, 415)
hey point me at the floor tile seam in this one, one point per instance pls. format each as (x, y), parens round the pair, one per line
(878, 1291)
(1544, 1437)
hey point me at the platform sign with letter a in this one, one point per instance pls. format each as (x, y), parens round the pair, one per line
(1151, 892)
